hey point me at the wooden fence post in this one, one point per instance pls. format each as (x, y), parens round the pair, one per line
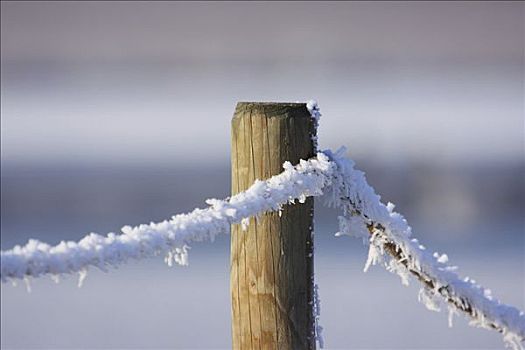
(271, 276)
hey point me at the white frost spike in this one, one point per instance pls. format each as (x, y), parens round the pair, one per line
(245, 223)
(318, 329)
(442, 259)
(302, 199)
(513, 341)
(27, 282)
(451, 313)
(169, 258)
(428, 298)
(313, 108)
(55, 278)
(181, 255)
(82, 274)
(353, 226)
(374, 257)
(399, 269)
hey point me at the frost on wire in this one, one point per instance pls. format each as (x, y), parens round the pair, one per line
(170, 237)
(390, 242)
(386, 233)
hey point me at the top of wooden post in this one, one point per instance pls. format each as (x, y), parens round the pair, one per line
(273, 109)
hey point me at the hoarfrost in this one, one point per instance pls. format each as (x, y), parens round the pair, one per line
(363, 215)
(318, 329)
(55, 278)
(429, 299)
(27, 282)
(170, 238)
(391, 244)
(313, 108)
(245, 223)
(451, 313)
(82, 274)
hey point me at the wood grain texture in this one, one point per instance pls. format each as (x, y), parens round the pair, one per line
(272, 261)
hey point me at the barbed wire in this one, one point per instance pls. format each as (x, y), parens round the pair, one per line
(386, 232)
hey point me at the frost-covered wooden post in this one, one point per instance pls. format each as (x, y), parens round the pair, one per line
(272, 258)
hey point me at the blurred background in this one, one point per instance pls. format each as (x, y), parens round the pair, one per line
(118, 113)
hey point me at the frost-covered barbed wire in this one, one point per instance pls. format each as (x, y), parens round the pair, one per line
(390, 243)
(170, 237)
(385, 231)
